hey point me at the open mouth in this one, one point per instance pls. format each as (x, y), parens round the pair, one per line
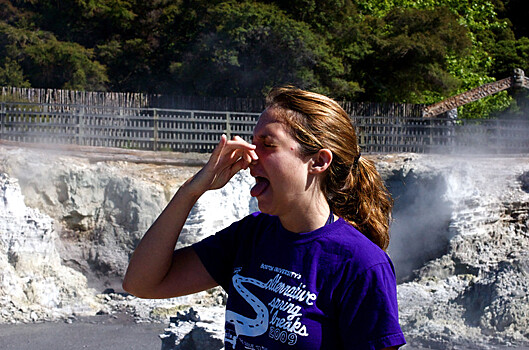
(261, 184)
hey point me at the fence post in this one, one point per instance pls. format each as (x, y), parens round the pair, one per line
(124, 131)
(430, 132)
(80, 122)
(2, 119)
(228, 126)
(155, 130)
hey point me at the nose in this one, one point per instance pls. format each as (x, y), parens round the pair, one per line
(253, 163)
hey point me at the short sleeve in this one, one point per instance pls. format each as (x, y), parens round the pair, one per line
(217, 253)
(368, 314)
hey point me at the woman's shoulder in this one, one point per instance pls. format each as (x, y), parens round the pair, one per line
(353, 246)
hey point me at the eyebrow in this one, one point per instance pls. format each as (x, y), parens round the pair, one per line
(262, 137)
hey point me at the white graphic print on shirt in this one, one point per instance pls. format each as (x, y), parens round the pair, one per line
(282, 318)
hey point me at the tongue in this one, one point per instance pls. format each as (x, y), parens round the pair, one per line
(259, 187)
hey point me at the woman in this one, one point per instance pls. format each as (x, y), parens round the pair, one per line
(309, 270)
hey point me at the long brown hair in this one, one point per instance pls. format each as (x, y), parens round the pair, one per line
(352, 185)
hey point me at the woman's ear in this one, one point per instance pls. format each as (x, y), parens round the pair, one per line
(320, 161)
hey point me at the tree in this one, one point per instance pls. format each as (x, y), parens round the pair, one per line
(46, 62)
(408, 54)
(324, 17)
(11, 74)
(516, 12)
(378, 50)
(245, 48)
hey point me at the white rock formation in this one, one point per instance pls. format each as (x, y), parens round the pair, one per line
(101, 210)
(34, 285)
(476, 291)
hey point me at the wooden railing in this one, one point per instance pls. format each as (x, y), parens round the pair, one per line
(199, 131)
(138, 128)
(442, 135)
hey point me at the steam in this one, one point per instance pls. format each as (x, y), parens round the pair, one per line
(421, 214)
(429, 206)
(501, 135)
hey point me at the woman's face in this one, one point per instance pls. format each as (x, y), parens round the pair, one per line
(282, 177)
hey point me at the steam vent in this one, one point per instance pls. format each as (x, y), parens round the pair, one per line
(69, 222)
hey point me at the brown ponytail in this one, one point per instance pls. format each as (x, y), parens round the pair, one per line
(365, 202)
(352, 185)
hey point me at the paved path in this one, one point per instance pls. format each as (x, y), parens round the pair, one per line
(96, 334)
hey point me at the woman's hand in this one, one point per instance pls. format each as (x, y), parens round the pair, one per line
(155, 269)
(228, 158)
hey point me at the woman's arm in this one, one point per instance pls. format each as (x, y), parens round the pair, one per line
(155, 269)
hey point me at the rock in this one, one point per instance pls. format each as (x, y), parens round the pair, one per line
(189, 331)
(476, 287)
(34, 284)
(104, 208)
(459, 238)
(524, 179)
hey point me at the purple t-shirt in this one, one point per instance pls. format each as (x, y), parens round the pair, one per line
(331, 288)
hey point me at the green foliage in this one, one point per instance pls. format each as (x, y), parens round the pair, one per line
(419, 51)
(493, 54)
(515, 11)
(11, 74)
(324, 17)
(245, 48)
(408, 56)
(472, 70)
(64, 65)
(508, 55)
(47, 62)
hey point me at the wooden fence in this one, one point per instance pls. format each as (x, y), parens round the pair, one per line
(442, 135)
(138, 128)
(203, 103)
(129, 99)
(199, 131)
